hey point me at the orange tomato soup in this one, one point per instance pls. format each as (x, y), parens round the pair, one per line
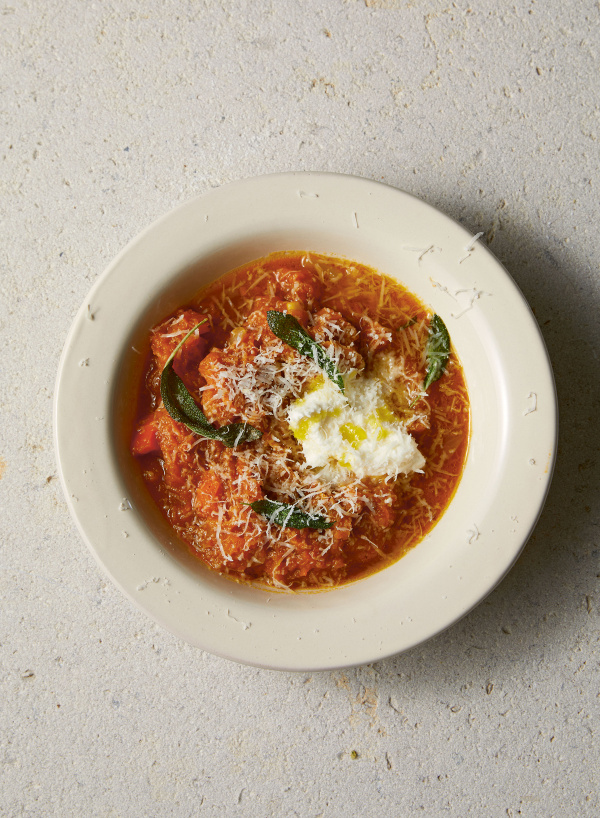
(238, 371)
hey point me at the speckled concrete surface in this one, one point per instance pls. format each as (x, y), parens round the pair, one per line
(113, 113)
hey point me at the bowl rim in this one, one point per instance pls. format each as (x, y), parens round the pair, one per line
(344, 627)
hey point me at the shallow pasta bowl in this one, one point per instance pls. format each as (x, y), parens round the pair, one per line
(508, 468)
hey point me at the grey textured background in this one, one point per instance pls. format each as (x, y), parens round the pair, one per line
(113, 113)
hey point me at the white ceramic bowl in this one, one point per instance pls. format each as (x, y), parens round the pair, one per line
(510, 458)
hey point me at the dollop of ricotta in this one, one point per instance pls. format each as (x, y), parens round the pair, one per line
(353, 432)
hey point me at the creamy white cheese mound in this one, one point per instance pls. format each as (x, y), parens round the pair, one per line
(356, 432)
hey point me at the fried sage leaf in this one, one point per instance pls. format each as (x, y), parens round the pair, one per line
(288, 516)
(235, 433)
(183, 408)
(437, 352)
(290, 331)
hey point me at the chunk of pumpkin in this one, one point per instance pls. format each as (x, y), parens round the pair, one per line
(145, 439)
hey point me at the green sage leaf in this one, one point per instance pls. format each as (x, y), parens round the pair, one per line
(183, 408)
(291, 332)
(235, 433)
(288, 516)
(437, 352)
